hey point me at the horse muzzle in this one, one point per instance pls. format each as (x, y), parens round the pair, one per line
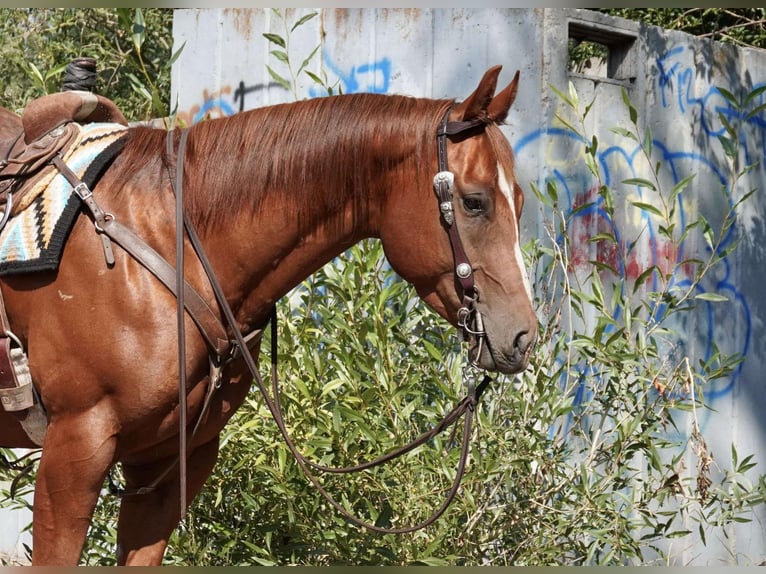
(507, 354)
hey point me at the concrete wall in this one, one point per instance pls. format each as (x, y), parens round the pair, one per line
(672, 79)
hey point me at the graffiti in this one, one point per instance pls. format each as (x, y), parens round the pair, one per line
(678, 86)
(214, 105)
(586, 215)
(373, 77)
(243, 90)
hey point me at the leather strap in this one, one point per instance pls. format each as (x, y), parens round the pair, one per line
(16, 389)
(203, 316)
(86, 196)
(7, 380)
(443, 186)
(182, 402)
(447, 128)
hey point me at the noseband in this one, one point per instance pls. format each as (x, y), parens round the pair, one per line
(469, 318)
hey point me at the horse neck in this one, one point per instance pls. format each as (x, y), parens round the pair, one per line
(300, 219)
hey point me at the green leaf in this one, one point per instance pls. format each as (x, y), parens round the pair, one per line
(552, 191)
(729, 146)
(603, 237)
(641, 279)
(139, 29)
(308, 59)
(275, 39)
(647, 207)
(633, 113)
(754, 112)
(601, 266)
(581, 207)
(280, 55)
(713, 297)
(37, 74)
(707, 232)
(754, 94)
(648, 142)
(314, 77)
(279, 79)
(728, 96)
(623, 132)
(727, 126)
(562, 96)
(175, 55)
(566, 124)
(303, 20)
(640, 182)
(432, 561)
(593, 148)
(539, 195)
(680, 186)
(573, 95)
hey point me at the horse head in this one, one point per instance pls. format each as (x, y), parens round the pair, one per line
(464, 258)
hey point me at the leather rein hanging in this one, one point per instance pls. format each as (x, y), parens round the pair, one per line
(469, 321)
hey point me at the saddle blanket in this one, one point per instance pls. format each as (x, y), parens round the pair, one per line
(33, 239)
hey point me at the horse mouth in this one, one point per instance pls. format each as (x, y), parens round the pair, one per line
(482, 354)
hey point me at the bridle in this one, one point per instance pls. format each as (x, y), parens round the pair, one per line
(469, 318)
(469, 322)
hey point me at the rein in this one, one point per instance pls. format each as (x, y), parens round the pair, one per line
(188, 301)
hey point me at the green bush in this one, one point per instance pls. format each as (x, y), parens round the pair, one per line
(132, 47)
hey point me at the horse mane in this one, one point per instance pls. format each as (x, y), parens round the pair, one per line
(319, 154)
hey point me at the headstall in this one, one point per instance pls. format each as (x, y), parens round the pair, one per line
(469, 318)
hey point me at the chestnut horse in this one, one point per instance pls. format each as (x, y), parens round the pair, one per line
(274, 194)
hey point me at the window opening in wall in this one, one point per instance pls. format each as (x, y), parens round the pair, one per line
(586, 57)
(601, 52)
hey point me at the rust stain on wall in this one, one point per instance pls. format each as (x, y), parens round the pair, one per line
(242, 18)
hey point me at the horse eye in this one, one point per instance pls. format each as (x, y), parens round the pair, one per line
(473, 205)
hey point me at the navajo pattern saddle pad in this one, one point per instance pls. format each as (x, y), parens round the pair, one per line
(33, 239)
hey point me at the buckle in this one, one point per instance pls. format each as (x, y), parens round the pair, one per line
(82, 191)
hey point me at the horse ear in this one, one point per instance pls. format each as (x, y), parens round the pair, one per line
(501, 103)
(475, 105)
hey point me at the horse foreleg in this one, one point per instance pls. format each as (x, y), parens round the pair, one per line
(76, 456)
(147, 520)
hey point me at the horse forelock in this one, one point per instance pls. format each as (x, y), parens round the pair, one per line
(312, 157)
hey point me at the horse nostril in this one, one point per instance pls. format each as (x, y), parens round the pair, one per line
(523, 342)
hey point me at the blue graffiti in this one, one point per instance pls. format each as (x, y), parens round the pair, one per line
(675, 76)
(616, 164)
(221, 106)
(374, 77)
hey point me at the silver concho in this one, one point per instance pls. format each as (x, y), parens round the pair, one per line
(463, 270)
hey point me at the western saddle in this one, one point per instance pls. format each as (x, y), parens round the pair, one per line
(45, 128)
